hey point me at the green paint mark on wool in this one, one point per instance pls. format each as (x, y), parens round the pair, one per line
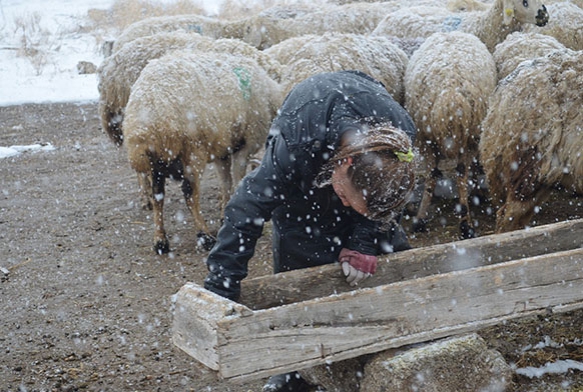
(244, 77)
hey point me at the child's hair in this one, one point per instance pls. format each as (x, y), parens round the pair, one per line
(383, 169)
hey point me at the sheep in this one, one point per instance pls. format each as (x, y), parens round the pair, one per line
(490, 26)
(466, 5)
(447, 84)
(578, 3)
(518, 47)
(376, 56)
(532, 138)
(190, 108)
(118, 72)
(283, 52)
(256, 30)
(194, 24)
(566, 25)
(264, 30)
(357, 18)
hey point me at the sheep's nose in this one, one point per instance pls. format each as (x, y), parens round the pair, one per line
(542, 17)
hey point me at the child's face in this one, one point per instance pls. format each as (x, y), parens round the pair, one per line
(348, 194)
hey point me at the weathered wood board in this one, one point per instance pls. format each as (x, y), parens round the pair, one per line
(242, 344)
(300, 285)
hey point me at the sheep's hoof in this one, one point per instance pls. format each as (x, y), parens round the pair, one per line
(205, 241)
(419, 225)
(162, 247)
(467, 231)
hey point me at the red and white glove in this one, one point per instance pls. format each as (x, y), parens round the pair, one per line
(356, 266)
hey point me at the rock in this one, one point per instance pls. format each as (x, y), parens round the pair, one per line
(342, 376)
(86, 67)
(456, 364)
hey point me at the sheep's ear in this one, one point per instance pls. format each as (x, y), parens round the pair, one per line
(508, 11)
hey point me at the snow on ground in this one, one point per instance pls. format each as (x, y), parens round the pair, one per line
(57, 79)
(54, 78)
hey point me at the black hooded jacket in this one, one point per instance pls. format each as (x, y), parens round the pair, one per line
(310, 224)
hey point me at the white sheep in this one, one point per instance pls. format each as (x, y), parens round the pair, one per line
(273, 26)
(490, 26)
(265, 30)
(192, 23)
(375, 56)
(566, 25)
(447, 84)
(466, 5)
(532, 138)
(518, 47)
(280, 23)
(284, 51)
(119, 72)
(357, 18)
(578, 3)
(190, 108)
(256, 30)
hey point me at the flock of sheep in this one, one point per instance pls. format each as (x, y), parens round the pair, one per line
(492, 85)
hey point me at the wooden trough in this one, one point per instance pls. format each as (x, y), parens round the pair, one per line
(299, 319)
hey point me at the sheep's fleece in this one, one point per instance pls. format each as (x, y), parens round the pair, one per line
(532, 136)
(189, 108)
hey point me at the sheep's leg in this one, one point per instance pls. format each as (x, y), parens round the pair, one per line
(462, 208)
(420, 220)
(158, 181)
(517, 211)
(190, 190)
(223, 167)
(145, 189)
(240, 162)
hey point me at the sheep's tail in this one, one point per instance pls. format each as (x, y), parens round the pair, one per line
(140, 151)
(111, 122)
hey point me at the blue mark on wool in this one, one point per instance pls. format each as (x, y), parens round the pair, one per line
(451, 23)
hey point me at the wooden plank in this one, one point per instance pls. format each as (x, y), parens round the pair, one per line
(197, 336)
(301, 285)
(347, 325)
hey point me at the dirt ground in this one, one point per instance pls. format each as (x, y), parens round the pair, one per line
(85, 303)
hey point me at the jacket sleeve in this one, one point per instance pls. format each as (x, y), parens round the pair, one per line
(365, 237)
(258, 194)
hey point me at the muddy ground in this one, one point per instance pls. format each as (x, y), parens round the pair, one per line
(85, 304)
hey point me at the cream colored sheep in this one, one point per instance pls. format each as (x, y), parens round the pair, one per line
(278, 23)
(264, 30)
(375, 56)
(566, 25)
(190, 108)
(518, 47)
(258, 31)
(466, 5)
(283, 52)
(118, 72)
(357, 18)
(532, 137)
(578, 3)
(192, 23)
(447, 85)
(490, 26)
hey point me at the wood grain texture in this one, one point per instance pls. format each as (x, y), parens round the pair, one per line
(300, 285)
(244, 344)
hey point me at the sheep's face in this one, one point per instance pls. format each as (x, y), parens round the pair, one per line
(525, 11)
